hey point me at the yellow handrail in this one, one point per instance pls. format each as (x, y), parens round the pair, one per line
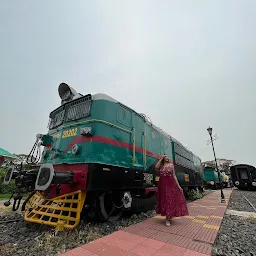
(134, 146)
(145, 150)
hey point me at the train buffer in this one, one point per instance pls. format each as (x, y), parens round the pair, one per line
(192, 235)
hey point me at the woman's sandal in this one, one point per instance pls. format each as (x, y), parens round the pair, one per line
(167, 223)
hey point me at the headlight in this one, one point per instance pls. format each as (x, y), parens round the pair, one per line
(212, 182)
(237, 183)
(8, 175)
(86, 131)
(254, 183)
(44, 177)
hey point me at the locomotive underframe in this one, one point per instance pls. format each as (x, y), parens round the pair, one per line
(109, 191)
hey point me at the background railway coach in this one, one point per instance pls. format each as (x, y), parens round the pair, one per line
(211, 178)
(226, 180)
(243, 176)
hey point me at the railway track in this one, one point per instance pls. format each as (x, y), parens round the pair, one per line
(9, 221)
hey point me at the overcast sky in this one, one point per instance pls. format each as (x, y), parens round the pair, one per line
(185, 64)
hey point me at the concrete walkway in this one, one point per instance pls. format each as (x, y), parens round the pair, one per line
(192, 235)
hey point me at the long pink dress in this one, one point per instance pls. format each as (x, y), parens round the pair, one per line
(170, 201)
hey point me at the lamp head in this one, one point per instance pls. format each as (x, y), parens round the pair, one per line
(209, 130)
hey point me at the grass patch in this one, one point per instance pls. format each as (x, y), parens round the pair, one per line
(5, 196)
(194, 194)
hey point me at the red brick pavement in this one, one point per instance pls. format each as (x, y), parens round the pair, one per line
(192, 235)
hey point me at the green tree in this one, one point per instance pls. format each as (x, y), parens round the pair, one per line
(223, 164)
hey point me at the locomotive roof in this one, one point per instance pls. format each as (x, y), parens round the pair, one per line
(238, 165)
(102, 96)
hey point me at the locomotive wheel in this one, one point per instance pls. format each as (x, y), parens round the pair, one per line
(107, 211)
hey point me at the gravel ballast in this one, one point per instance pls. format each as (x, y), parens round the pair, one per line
(23, 238)
(239, 203)
(237, 235)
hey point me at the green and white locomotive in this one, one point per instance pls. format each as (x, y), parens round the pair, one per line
(98, 160)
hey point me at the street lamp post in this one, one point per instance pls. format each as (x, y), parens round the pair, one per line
(221, 191)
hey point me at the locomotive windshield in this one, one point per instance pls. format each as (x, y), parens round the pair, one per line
(243, 173)
(74, 110)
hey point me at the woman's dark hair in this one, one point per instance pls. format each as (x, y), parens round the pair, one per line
(162, 164)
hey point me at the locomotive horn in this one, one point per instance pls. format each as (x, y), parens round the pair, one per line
(67, 93)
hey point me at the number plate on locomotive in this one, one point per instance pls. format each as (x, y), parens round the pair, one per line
(69, 133)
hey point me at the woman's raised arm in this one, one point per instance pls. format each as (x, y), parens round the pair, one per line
(159, 163)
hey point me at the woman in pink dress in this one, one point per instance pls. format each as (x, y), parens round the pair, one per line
(170, 201)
